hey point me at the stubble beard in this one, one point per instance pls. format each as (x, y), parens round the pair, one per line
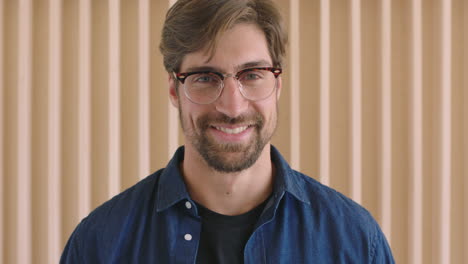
(229, 157)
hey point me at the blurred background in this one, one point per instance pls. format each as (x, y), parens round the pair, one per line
(375, 105)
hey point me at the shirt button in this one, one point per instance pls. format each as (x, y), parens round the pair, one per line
(188, 237)
(188, 205)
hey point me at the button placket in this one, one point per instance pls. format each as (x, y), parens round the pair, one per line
(188, 237)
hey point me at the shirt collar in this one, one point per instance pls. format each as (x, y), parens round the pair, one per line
(172, 189)
(286, 179)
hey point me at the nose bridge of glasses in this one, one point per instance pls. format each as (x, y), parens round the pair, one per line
(234, 76)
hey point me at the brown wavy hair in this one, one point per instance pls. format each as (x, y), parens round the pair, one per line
(192, 25)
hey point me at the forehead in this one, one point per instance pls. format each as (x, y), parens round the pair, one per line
(243, 44)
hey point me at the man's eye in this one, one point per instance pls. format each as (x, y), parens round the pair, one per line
(251, 76)
(204, 79)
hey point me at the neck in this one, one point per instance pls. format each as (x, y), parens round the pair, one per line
(228, 193)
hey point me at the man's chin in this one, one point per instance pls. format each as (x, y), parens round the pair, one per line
(230, 164)
(229, 157)
(231, 148)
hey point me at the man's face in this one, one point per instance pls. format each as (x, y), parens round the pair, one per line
(230, 133)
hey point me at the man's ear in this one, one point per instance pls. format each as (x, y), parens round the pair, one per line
(278, 89)
(173, 96)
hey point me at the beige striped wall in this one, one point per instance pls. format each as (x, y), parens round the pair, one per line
(375, 105)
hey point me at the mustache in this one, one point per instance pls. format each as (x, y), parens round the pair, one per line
(254, 119)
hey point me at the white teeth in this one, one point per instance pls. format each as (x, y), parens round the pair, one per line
(236, 130)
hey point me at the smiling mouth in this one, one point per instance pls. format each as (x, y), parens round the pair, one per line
(236, 130)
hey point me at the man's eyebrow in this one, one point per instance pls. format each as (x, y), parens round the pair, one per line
(202, 68)
(250, 64)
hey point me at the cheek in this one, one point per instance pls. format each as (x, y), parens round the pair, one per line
(269, 110)
(189, 116)
(184, 115)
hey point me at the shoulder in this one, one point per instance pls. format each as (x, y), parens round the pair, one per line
(336, 212)
(134, 198)
(105, 223)
(328, 200)
(314, 195)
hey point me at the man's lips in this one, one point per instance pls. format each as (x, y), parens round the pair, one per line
(232, 129)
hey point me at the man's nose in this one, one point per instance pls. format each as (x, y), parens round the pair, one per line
(231, 102)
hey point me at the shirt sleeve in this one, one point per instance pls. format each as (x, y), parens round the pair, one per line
(382, 254)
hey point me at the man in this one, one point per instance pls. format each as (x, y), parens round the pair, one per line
(227, 196)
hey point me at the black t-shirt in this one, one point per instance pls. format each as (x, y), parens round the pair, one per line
(223, 237)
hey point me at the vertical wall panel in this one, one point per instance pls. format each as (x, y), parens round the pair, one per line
(54, 139)
(309, 14)
(114, 179)
(445, 140)
(431, 112)
(295, 84)
(457, 183)
(309, 72)
(159, 92)
(23, 246)
(356, 104)
(40, 127)
(70, 172)
(283, 137)
(10, 129)
(99, 101)
(84, 108)
(385, 186)
(465, 130)
(2, 134)
(325, 92)
(401, 124)
(341, 97)
(371, 99)
(415, 208)
(173, 123)
(129, 93)
(144, 87)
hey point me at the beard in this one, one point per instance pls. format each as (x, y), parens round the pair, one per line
(229, 157)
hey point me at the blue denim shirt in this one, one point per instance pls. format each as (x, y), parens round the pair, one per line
(156, 221)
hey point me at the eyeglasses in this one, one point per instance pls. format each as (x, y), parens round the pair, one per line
(205, 87)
